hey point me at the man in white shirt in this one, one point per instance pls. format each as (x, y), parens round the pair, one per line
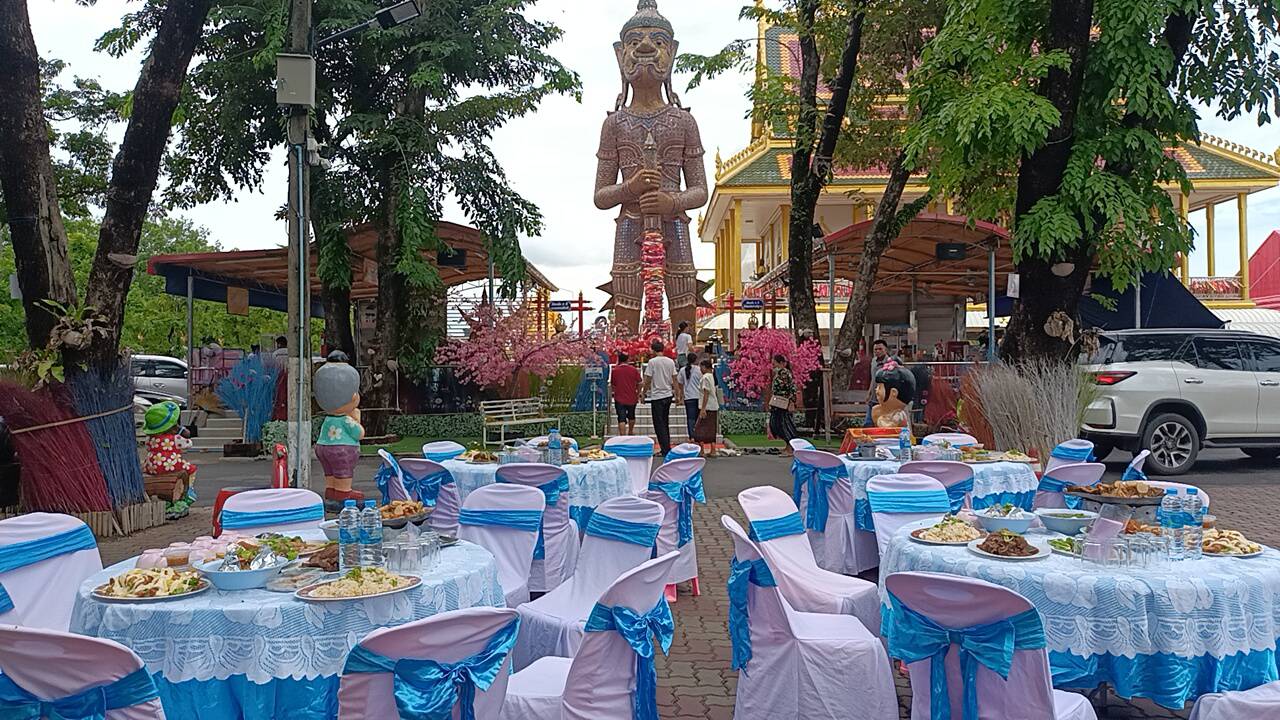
(659, 382)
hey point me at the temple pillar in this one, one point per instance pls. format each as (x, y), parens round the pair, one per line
(1208, 237)
(735, 247)
(1242, 209)
(1184, 263)
(786, 233)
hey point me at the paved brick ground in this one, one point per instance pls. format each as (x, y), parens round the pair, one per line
(695, 682)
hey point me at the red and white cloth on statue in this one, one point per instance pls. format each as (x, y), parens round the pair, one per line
(164, 455)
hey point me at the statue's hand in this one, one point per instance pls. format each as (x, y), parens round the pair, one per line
(643, 182)
(657, 202)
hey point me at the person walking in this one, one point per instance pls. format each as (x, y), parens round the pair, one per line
(879, 356)
(705, 429)
(782, 393)
(687, 378)
(684, 343)
(659, 390)
(625, 379)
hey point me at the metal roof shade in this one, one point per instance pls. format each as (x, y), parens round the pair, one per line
(264, 273)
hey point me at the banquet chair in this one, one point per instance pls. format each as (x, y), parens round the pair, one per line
(952, 439)
(676, 486)
(282, 510)
(64, 669)
(442, 450)
(613, 672)
(638, 452)
(829, 522)
(619, 536)
(504, 519)
(390, 478)
(956, 477)
(1256, 703)
(796, 664)
(1134, 470)
(408, 660)
(684, 451)
(444, 518)
(800, 444)
(554, 562)
(1050, 492)
(424, 480)
(779, 533)
(44, 557)
(1070, 452)
(900, 499)
(931, 613)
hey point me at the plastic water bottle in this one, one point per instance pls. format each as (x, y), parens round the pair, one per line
(555, 453)
(904, 445)
(1193, 518)
(1171, 523)
(370, 535)
(348, 534)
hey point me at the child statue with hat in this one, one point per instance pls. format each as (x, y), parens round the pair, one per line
(337, 389)
(165, 443)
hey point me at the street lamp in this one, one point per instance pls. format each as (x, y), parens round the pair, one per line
(387, 17)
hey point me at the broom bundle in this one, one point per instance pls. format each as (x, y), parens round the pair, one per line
(60, 470)
(105, 395)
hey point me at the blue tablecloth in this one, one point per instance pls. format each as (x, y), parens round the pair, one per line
(1170, 633)
(994, 483)
(259, 654)
(589, 483)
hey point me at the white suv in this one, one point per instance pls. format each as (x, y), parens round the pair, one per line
(1176, 391)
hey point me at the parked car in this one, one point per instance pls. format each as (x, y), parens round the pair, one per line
(158, 377)
(1174, 392)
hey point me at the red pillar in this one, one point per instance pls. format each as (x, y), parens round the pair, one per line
(582, 309)
(729, 302)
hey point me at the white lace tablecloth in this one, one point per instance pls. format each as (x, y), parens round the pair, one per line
(266, 635)
(589, 483)
(990, 480)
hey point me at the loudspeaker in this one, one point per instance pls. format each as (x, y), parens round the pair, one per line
(951, 251)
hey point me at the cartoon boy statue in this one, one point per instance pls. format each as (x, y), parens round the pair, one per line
(165, 444)
(337, 389)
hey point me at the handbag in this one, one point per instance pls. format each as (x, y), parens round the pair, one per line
(779, 402)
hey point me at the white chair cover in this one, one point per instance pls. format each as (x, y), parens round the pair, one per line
(559, 533)
(271, 510)
(838, 548)
(801, 663)
(552, 624)
(1069, 452)
(806, 586)
(639, 465)
(445, 638)
(598, 682)
(444, 518)
(953, 601)
(677, 471)
(800, 444)
(395, 483)
(442, 450)
(511, 546)
(684, 451)
(1064, 475)
(53, 665)
(1256, 704)
(956, 477)
(444, 514)
(888, 523)
(43, 593)
(952, 439)
(1134, 470)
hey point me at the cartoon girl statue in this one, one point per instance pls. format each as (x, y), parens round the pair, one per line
(337, 389)
(165, 443)
(895, 389)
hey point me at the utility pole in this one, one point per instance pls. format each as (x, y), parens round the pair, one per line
(299, 336)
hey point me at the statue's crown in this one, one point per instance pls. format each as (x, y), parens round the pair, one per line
(647, 15)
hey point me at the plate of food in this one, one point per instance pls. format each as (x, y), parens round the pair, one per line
(325, 560)
(1064, 546)
(1126, 492)
(1229, 543)
(595, 455)
(294, 578)
(1133, 527)
(1016, 456)
(951, 530)
(481, 457)
(1008, 545)
(358, 584)
(291, 546)
(398, 513)
(151, 585)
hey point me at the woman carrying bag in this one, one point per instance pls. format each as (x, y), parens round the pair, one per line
(782, 392)
(705, 429)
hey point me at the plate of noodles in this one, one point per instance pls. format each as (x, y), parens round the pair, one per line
(151, 585)
(359, 584)
(951, 530)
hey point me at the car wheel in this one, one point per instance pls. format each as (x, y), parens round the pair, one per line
(1173, 442)
(1265, 454)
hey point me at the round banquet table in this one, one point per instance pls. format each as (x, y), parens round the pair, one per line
(1170, 633)
(994, 483)
(590, 483)
(256, 654)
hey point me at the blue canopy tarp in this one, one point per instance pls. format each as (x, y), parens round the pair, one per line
(1165, 303)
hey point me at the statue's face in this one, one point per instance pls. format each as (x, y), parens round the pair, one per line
(646, 55)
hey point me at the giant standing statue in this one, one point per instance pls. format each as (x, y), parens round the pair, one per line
(652, 142)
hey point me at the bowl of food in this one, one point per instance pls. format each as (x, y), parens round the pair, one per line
(330, 528)
(399, 513)
(1066, 521)
(247, 565)
(1005, 517)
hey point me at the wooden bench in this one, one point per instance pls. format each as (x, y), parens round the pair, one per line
(502, 414)
(848, 404)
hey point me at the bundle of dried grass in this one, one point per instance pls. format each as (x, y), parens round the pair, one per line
(60, 470)
(1033, 405)
(106, 397)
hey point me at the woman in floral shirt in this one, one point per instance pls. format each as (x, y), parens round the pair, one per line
(782, 393)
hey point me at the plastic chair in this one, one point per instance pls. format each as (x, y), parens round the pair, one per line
(805, 585)
(449, 637)
(601, 680)
(639, 462)
(1260, 702)
(955, 602)
(956, 477)
(552, 624)
(836, 544)
(44, 558)
(499, 518)
(1068, 453)
(1050, 493)
(798, 664)
(53, 665)
(952, 439)
(559, 533)
(682, 478)
(287, 510)
(442, 450)
(899, 499)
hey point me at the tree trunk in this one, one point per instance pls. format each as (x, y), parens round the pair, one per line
(137, 167)
(337, 321)
(1040, 176)
(333, 265)
(26, 175)
(381, 393)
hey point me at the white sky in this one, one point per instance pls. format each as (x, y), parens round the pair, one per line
(550, 155)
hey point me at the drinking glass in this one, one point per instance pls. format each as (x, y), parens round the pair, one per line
(410, 562)
(428, 550)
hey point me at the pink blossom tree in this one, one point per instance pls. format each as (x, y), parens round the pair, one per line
(751, 367)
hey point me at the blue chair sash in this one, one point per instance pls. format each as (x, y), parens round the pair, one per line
(909, 501)
(527, 520)
(428, 690)
(1082, 454)
(684, 494)
(862, 518)
(773, 528)
(636, 629)
(388, 469)
(1050, 484)
(553, 488)
(443, 456)
(1133, 473)
(611, 528)
(235, 519)
(957, 493)
(742, 573)
(427, 487)
(679, 455)
(30, 552)
(92, 704)
(914, 637)
(819, 481)
(630, 450)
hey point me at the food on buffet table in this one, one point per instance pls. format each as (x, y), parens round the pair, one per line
(1066, 545)
(1120, 489)
(596, 454)
(1006, 543)
(1133, 527)
(288, 546)
(154, 582)
(1069, 515)
(295, 579)
(950, 529)
(478, 457)
(1228, 542)
(1017, 456)
(1007, 510)
(398, 509)
(250, 554)
(326, 559)
(359, 582)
